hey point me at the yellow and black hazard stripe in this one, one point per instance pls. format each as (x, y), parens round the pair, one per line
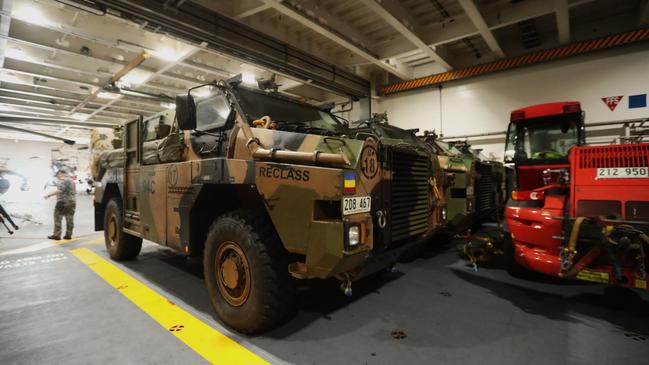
(524, 60)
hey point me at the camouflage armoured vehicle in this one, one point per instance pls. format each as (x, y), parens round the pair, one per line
(474, 187)
(265, 189)
(398, 138)
(489, 184)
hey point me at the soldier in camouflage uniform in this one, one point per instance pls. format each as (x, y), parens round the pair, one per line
(65, 206)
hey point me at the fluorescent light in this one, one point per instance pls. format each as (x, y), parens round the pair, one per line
(6, 77)
(248, 78)
(167, 53)
(7, 108)
(106, 95)
(30, 14)
(17, 53)
(135, 77)
(170, 106)
(80, 116)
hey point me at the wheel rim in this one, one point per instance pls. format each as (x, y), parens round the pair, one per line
(112, 230)
(232, 273)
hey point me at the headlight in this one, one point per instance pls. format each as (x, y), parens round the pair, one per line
(353, 236)
(443, 214)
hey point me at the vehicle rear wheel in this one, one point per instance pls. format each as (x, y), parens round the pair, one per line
(120, 245)
(246, 272)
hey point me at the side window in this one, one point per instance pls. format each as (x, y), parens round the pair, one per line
(150, 129)
(510, 146)
(155, 128)
(212, 111)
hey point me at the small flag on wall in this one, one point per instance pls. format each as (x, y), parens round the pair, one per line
(612, 101)
(637, 101)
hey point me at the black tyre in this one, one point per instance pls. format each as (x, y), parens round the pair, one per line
(120, 245)
(246, 272)
(512, 267)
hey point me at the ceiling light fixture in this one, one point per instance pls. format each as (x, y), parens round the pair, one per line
(30, 14)
(7, 77)
(17, 54)
(248, 78)
(167, 54)
(135, 78)
(106, 95)
(80, 116)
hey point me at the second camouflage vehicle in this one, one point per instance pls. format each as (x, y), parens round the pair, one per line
(265, 189)
(474, 186)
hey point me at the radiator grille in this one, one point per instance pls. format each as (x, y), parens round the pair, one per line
(626, 155)
(485, 188)
(409, 195)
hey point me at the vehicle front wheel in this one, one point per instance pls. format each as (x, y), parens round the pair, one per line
(512, 267)
(246, 272)
(120, 245)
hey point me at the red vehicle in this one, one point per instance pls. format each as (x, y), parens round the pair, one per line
(578, 211)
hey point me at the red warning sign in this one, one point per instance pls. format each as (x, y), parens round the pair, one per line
(612, 101)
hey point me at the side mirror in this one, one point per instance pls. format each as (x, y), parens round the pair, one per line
(186, 112)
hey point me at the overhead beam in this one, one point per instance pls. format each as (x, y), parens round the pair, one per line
(563, 20)
(116, 77)
(439, 34)
(246, 8)
(94, 60)
(334, 33)
(476, 18)
(24, 130)
(194, 23)
(40, 93)
(5, 22)
(161, 71)
(398, 18)
(22, 113)
(10, 119)
(63, 108)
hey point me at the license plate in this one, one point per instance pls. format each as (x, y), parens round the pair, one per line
(356, 204)
(593, 276)
(623, 172)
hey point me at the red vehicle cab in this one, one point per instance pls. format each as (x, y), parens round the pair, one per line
(580, 212)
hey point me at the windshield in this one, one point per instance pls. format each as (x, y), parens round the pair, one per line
(541, 139)
(288, 115)
(447, 148)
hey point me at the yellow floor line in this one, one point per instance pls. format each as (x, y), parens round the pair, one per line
(63, 242)
(96, 241)
(211, 344)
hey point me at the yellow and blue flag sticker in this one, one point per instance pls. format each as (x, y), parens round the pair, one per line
(349, 186)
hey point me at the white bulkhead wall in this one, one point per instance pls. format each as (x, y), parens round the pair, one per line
(483, 104)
